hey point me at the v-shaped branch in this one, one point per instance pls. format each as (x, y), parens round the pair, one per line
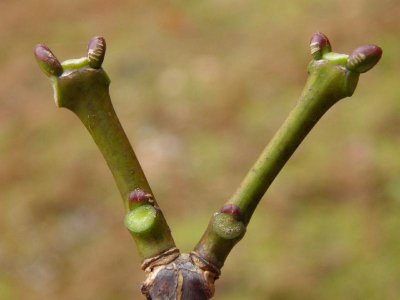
(82, 86)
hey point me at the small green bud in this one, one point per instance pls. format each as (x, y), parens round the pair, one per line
(141, 220)
(227, 227)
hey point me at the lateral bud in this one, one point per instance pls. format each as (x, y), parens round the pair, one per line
(96, 52)
(232, 210)
(319, 45)
(47, 60)
(364, 58)
(139, 196)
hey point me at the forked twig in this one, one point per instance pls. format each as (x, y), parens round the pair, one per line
(81, 85)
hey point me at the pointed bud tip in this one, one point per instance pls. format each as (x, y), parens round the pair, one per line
(96, 51)
(47, 60)
(319, 44)
(233, 210)
(364, 58)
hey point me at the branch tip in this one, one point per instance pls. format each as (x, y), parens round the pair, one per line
(364, 58)
(47, 61)
(319, 45)
(96, 51)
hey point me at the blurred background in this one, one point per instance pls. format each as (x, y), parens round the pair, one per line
(200, 88)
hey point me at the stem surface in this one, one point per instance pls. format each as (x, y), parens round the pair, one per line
(82, 86)
(331, 77)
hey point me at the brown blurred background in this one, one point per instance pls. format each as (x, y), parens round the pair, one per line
(200, 87)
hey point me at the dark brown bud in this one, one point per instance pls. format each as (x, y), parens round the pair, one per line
(364, 58)
(231, 209)
(96, 51)
(47, 61)
(319, 45)
(140, 196)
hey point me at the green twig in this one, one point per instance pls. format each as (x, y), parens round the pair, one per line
(82, 86)
(331, 77)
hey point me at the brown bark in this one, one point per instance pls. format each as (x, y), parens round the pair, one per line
(177, 276)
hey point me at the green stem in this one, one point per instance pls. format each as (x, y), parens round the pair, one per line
(82, 86)
(329, 81)
(326, 85)
(86, 94)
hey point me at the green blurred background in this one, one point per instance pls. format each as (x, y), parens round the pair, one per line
(201, 87)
